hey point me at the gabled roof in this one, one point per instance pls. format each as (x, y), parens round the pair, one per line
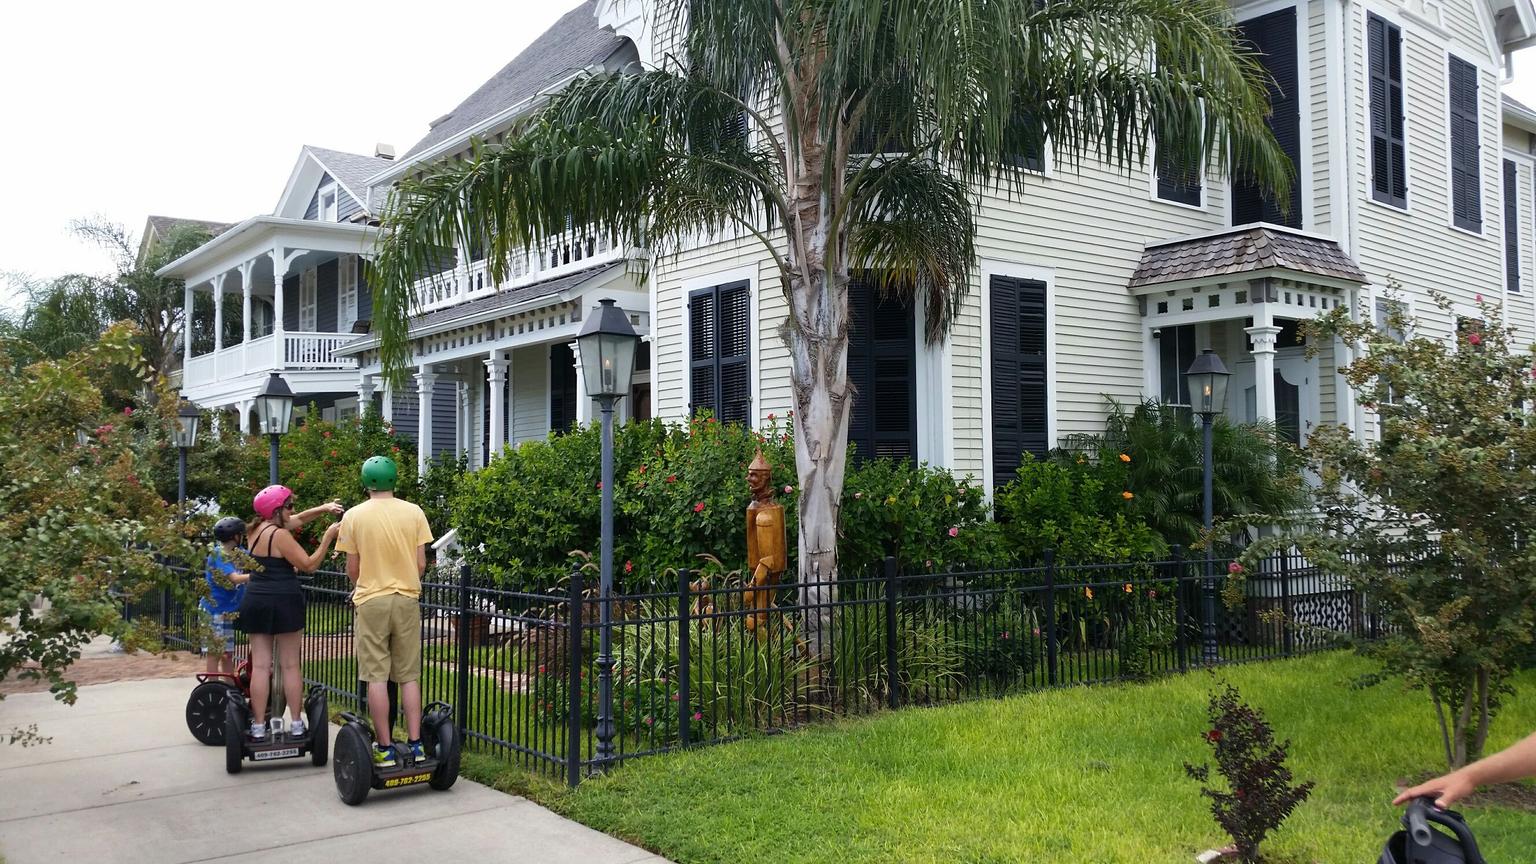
(1245, 249)
(350, 170)
(574, 43)
(157, 228)
(1519, 115)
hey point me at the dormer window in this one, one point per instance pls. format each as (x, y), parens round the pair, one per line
(328, 203)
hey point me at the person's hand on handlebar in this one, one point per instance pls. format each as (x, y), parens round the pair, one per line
(1446, 790)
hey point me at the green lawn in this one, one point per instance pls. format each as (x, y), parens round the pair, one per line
(1077, 775)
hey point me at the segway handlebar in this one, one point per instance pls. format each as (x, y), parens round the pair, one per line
(1422, 811)
(1418, 823)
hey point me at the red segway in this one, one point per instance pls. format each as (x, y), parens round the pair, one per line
(205, 707)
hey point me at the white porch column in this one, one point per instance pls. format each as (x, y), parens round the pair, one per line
(387, 404)
(364, 395)
(463, 426)
(246, 269)
(583, 402)
(218, 313)
(1264, 338)
(244, 406)
(279, 271)
(186, 330)
(426, 380)
(496, 376)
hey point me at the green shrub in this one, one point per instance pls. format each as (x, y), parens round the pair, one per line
(1000, 649)
(1079, 507)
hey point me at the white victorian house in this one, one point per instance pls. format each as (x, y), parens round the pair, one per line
(1100, 282)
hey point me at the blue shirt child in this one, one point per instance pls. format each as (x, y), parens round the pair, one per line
(221, 600)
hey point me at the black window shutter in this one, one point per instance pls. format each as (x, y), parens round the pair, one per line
(1274, 37)
(1020, 401)
(1389, 177)
(562, 387)
(720, 339)
(1466, 196)
(703, 352)
(882, 366)
(1511, 226)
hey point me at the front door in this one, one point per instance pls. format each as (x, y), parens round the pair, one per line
(1296, 395)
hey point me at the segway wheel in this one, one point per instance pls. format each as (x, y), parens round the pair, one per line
(318, 719)
(205, 711)
(234, 737)
(353, 768)
(447, 752)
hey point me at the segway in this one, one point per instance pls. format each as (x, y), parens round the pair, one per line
(206, 705)
(1421, 844)
(240, 746)
(356, 774)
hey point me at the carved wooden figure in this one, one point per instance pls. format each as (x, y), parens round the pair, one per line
(767, 544)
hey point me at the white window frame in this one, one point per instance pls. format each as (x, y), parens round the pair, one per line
(328, 211)
(309, 302)
(346, 293)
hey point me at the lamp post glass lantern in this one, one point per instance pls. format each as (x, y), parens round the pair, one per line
(1207, 379)
(186, 436)
(274, 407)
(607, 344)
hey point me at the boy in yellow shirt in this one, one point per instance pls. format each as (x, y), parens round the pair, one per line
(385, 540)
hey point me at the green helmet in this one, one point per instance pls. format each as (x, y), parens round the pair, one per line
(379, 474)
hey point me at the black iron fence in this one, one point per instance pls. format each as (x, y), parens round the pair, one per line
(702, 658)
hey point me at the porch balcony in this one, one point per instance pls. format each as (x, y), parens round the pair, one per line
(569, 253)
(301, 353)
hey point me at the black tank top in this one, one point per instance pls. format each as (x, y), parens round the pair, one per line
(277, 576)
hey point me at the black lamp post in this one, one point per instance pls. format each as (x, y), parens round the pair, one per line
(607, 343)
(1207, 381)
(186, 436)
(274, 405)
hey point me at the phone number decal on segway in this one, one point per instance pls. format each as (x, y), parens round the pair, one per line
(284, 753)
(394, 782)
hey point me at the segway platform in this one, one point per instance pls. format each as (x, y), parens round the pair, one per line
(356, 774)
(240, 746)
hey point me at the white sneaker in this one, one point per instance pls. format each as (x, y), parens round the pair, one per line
(296, 727)
(258, 730)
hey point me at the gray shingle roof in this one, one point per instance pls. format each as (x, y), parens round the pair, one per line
(1244, 250)
(351, 170)
(572, 44)
(1508, 100)
(163, 225)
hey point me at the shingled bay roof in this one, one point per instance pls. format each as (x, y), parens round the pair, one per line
(1247, 249)
(571, 45)
(351, 170)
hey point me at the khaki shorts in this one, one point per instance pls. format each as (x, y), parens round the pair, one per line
(387, 639)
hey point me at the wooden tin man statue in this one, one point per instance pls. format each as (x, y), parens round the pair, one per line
(766, 544)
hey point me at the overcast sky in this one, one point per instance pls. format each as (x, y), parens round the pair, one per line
(198, 109)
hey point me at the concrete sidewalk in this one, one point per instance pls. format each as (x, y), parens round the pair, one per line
(124, 781)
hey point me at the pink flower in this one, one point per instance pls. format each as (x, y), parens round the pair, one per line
(128, 410)
(1234, 568)
(954, 531)
(698, 715)
(1477, 298)
(1152, 592)
(675, 697)
(788, 489)
(629, 566)
(1475, 339)
(699, 507)
(1037, 631)
(648, 720)
(770, 417)
(1005, 634)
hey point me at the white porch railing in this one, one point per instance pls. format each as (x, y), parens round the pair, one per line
(301, 351)
(565, 254)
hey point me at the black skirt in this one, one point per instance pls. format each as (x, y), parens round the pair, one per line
(271, 613)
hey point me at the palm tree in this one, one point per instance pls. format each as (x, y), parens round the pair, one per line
(948, 92)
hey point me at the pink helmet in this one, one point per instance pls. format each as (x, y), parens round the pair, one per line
(271, 499)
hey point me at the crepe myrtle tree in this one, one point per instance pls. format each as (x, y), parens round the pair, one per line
(1431, 520)
(845, 136)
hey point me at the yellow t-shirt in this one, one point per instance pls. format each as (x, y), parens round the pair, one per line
(385, 533)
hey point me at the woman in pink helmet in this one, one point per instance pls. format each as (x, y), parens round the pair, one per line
(272, 611)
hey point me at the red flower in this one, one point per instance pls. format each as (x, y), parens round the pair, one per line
(1234, 568)
(599, 484)
(333, 452)
(128, 410)
(699, 507)
(671, 478)
(1475, 339)
(770, 417)
(629, 566)
(709, 419)
(1213, 736)
(698, 715)
(642, 469)
(326, 433)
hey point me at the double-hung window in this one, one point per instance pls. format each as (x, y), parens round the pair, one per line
(1466, 192)
(346, 294)
(309, 306)
(1389, 163)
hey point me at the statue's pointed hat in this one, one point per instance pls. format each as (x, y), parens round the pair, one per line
(759, 463)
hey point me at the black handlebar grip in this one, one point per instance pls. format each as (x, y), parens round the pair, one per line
(1418, 823)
